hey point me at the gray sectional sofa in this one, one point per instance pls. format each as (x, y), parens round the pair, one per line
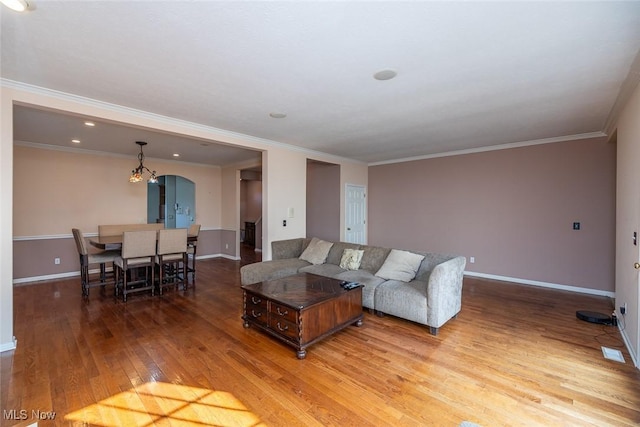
(430, 298)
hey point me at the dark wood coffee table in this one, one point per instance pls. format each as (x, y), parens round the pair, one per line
(301, 309)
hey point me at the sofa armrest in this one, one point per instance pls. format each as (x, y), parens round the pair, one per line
(444, 291)
(285, 249)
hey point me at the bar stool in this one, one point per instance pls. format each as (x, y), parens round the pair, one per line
(138, 251)
(172, 253)
(194, 230)
(87, 259)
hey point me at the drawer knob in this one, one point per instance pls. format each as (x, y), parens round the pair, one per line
(282, 313)
(280, 328)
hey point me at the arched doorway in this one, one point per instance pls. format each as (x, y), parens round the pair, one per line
(171, 201)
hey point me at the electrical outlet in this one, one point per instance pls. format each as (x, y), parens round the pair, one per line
(623, 309)
(472, 259)
(56, 261)
(226, 246)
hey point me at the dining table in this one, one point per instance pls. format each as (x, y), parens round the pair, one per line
(114, 242)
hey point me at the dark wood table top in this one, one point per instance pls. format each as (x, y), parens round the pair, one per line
(298, 291)
(115, 242)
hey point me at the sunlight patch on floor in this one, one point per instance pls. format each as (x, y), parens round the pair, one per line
(157, 402)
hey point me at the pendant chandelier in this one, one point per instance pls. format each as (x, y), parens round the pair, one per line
(136, 174)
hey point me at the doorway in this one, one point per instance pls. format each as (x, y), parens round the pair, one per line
(172, 201)
(250, 212)
(355, 214)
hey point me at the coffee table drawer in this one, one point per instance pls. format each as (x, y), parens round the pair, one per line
(279, 311)
(283, 327)
(257, 308)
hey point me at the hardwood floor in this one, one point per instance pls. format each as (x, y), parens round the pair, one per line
(516, 355)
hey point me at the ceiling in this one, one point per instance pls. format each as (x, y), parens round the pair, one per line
(469, 74)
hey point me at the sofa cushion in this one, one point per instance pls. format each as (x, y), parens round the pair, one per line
(365, 278)
(400, 265)
(270, 270)
(373, 258)
(326, 270)
(317, 251)
(351, 259)
(338, 248)
(283, 249)
(402, 299)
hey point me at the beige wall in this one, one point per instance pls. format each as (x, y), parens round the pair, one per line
(628, 221)
(511, 209)
(55, 191)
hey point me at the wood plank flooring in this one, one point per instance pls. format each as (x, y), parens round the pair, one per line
(516, 355)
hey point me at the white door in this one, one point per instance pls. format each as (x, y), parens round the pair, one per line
(355, 212)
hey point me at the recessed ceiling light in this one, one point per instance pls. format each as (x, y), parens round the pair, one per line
(75, 141)
(278, 115)
(90, 124)
(17, 5)
(385, 75)
(176, 155)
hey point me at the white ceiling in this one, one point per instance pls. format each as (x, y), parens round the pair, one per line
(470, 74)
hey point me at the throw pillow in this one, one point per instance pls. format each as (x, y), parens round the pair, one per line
(351, 259)
(400, 265)
(317, 251)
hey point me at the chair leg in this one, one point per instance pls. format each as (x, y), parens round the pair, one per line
(153, 284)
(124, 285)
(84, 280)
(160, 277)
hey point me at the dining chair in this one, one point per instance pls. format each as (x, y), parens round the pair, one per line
(194, 230)
(138, 252)
(86, 259)
(172, 254)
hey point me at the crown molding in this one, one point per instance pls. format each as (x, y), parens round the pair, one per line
(495, 147)
(77, 150)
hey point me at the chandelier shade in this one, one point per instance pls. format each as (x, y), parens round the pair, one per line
(136, 174)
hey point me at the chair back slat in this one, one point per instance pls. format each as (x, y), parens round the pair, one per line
(138, 244)
(172, 241)
(81, 245)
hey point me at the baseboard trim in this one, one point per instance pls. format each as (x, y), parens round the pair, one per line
(35, 279)
(542, 284)
(8, 346)
(627, 343)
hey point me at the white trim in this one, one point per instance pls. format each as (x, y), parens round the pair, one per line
(76, 150)
(49, 237)
(70, 236)
(627, 343)
(34, 279)
(542, 284)
(496, 147)
(8, 346)
(219, 255)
